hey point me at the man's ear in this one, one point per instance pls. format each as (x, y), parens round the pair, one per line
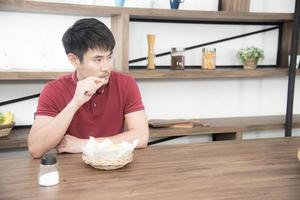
(74, 60)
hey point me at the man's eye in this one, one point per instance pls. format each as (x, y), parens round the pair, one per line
(109, 58)
(98, 60)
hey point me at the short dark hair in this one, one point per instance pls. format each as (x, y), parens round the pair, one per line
(87, 34)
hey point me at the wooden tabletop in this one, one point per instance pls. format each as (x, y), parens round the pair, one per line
(252, 169)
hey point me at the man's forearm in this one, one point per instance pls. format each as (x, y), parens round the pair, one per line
(42, 139)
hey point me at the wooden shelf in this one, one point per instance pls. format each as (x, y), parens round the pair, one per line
(203, 74)
(37, 75)
(157, 74)
(120, 19)
(141, 13)
(229, 125)
(18, 137)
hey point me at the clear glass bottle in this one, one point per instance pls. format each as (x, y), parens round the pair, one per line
(48, 174)
(208, 58)
(177, 58)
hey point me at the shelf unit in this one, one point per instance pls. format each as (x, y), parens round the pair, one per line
(156, 74)
(120, 19)
(221, 128)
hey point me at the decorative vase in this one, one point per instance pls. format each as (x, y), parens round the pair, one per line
(174, 4)
(151, 52)
(119, 3)
(250, 63)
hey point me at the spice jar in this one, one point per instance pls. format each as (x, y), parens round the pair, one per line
(177, 58)
(48, 174)
(208, 58)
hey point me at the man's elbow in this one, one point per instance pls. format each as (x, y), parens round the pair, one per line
(144, 140)
(34, 151)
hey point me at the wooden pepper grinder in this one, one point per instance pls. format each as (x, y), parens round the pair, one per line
(151, 52)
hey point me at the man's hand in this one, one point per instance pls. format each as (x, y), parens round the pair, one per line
(85, 89)
(71, 144)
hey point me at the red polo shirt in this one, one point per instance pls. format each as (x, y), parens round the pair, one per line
(103, 114)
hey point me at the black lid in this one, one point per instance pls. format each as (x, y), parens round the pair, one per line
(48, 159)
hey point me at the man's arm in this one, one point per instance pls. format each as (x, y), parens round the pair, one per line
(47, 132)
(137, 125)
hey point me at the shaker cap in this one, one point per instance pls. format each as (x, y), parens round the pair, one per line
(48, 159)
(206, 49)
(178, 49)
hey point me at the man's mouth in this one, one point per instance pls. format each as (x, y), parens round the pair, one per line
(104, 75)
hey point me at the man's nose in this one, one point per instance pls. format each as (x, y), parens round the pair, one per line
(105, 65)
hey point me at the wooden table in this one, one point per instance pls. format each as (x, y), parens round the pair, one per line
(253, 169)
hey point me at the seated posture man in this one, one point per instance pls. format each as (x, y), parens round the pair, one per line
(92, 101)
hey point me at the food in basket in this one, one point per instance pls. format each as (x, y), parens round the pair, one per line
(107, 155)
(7, 118)
(6, 123)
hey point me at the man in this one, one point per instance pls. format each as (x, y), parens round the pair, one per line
(92, 101)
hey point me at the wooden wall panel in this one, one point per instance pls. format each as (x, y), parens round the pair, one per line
(120, 29)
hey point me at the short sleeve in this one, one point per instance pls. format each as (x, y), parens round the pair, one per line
(134, 99)
(46, 103)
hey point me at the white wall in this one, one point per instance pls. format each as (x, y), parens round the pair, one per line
(33, 42)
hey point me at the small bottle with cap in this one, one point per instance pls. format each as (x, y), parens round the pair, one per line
(48, 174)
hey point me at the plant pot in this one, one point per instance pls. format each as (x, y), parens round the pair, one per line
(250, 63)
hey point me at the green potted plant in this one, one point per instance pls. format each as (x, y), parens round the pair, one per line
(250, 56)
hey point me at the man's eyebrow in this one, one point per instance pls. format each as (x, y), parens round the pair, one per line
(98, 56)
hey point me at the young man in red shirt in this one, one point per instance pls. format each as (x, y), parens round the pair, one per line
(92, 101)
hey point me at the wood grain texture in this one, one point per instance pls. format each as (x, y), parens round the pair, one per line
(255, 169)
(203, 74)
(235, 5)
(141, 13)
(230, 125)
(16, 139)
(157, 74)
(30, 75)
(285, 46)
(120, 29)
(236, 125)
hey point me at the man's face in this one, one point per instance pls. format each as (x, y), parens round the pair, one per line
(95, 63)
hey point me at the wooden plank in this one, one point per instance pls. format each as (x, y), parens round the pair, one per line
(199, 74)
(157, 74)
(36, 75)
(234, 5)
(230, 125)
(235, 125)
(219, 16)
(285, 46)
(58, 8)
(253, 169)
(141, 13)
(16, 139)
(120, 29)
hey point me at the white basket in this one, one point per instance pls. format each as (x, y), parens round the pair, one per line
(104, 164)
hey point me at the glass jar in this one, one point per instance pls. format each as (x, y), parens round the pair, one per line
(177, 58)
(208, 58)
(48, 174)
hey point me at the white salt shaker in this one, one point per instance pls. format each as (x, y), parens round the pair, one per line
(48, 174)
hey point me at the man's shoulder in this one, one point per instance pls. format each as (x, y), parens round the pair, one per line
(60, 82)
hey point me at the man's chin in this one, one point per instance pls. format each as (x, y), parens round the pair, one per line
(106, 77)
